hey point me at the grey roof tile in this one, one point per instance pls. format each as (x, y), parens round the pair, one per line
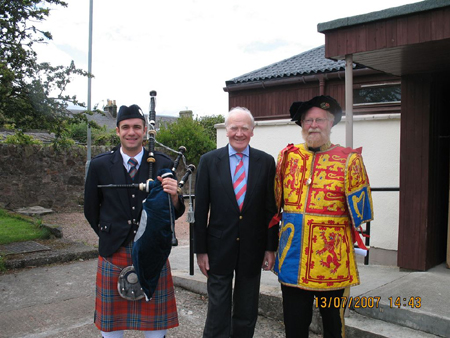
(309, 62)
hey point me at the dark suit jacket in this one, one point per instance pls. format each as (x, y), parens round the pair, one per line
(110, 211)
(233, 239)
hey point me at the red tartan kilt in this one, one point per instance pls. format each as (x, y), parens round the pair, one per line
(112, 312)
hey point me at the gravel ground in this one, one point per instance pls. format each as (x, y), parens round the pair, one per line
(75, 227)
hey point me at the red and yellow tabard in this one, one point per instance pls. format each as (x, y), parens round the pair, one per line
(324, 197)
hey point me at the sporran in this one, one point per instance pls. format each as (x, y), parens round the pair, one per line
(128, 284)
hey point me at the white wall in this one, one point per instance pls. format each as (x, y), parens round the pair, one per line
(379, 135)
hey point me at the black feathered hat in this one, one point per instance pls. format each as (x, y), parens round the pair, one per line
(131, 112)
(299, 108)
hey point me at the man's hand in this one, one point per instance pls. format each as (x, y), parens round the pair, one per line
(170, 186)
(269, 260)
(203, 263)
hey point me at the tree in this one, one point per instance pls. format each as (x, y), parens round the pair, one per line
(100, 136)
(208, 122)
(27, 99)
(189, 133)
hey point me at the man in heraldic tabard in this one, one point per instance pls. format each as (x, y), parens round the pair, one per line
(323, 196)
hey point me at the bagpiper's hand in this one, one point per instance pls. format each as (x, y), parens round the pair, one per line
(170, 186)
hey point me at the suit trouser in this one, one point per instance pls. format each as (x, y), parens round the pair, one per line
(219, 322)
(298, 310)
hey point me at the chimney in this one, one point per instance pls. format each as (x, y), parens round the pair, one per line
(111, 107)
(114, 108)
(186, 113)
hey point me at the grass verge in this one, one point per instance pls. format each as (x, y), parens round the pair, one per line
(17, 228)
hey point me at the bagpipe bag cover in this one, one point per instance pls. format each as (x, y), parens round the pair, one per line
(153, 241)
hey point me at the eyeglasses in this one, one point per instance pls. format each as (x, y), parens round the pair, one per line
(309, 122)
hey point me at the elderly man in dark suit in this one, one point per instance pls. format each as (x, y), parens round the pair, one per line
(234, 205)
(114, 216)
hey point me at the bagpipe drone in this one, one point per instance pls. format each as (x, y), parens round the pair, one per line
(156, 233)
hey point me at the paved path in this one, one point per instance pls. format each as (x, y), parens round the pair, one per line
(58, 302)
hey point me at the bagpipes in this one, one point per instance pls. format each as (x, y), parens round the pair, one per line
(156, 233)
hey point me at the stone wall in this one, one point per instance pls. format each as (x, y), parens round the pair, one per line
(38, 175)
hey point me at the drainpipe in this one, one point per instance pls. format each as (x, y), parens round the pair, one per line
(349, 100)
(321, 84)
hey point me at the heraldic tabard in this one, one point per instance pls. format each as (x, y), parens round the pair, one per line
(324, 197)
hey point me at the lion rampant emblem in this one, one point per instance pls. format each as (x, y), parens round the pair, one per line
(332, 246)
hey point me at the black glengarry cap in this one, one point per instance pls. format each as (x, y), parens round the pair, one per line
(131, 112)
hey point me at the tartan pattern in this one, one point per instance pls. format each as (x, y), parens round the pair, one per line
(113, 313)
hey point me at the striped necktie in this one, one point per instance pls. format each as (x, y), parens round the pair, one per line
(240, 181)
(133, 167)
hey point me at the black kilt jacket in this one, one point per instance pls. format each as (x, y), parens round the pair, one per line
(114, 213)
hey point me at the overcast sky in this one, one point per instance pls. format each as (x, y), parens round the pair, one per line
(185, 49)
